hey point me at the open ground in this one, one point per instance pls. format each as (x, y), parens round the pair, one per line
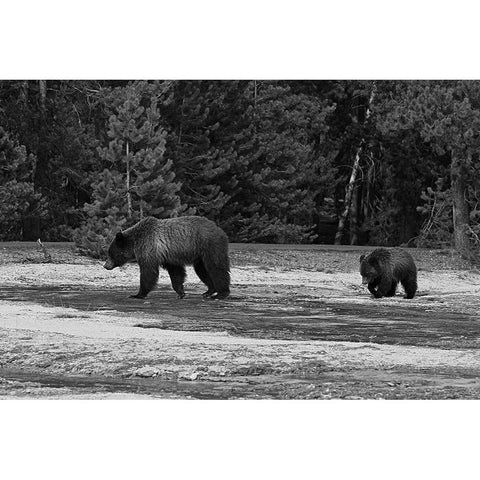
(298, 324)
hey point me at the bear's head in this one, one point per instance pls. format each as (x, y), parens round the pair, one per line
(369, 269)
(119, 252)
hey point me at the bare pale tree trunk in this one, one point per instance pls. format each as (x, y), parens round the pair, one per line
(354, 216)
(461, 224)
(179, 139)
(46, 254)
(353, 176)
(367, 191)
(348, 198)
(129, 195)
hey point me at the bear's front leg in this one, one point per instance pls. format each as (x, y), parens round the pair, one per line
(177, 276)
(372, 287)
(384, 287)
(148, 280)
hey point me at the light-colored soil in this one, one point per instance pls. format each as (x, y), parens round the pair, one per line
(56, 346)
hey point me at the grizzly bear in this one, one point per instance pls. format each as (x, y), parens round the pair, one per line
(384, 268)
(171, 244)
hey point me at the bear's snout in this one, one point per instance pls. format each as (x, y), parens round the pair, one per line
(364, 280)
(109, 265)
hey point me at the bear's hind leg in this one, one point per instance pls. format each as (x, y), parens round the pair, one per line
(148, 280)
(203, 275)
(410, 286)
(221, 282)
(218, 270)
(177, 276)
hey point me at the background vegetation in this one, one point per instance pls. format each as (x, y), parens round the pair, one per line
(362, 162)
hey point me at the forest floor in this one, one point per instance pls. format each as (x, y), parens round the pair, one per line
(299, 324)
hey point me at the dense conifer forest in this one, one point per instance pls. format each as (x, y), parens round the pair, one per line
(352, 162)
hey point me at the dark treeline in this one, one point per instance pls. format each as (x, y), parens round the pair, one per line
(361, 162)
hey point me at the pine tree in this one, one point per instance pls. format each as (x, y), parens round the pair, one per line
(279, 167)
(200, 118)
(20, 203)
(57, 126)
(137, 179)
(447, 117)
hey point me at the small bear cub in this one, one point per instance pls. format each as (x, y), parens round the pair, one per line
(383, 268)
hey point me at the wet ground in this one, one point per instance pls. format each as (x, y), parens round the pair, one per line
(294, 318)
(293, 328)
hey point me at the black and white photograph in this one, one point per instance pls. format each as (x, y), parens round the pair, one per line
(248, 239)
(239, 240)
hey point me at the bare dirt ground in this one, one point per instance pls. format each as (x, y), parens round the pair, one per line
(298, 324)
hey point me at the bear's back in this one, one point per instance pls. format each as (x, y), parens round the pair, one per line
(402, 262)
(179, 240)
(390, 261)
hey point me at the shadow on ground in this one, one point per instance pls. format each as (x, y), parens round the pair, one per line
(272, 317)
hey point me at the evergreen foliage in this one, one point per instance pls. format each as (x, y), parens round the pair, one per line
(279, 165)
(269, 161)
(20, 203)
(136, 180)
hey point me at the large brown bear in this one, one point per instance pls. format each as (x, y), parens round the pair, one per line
(384, 268)
(171, 244)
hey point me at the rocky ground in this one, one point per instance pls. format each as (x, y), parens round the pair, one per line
(298, 324)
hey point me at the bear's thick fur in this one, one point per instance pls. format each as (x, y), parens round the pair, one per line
(384, 268)
(173, 243)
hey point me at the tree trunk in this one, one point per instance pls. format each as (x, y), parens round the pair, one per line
(460, 208)
(354, 216)
(40, 159)
(23, 93)
(42, 86)
(254, 116)
(129, 195)
(348, 197)
(351, 184)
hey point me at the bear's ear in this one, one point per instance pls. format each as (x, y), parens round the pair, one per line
(362, 257)
(120, 237)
